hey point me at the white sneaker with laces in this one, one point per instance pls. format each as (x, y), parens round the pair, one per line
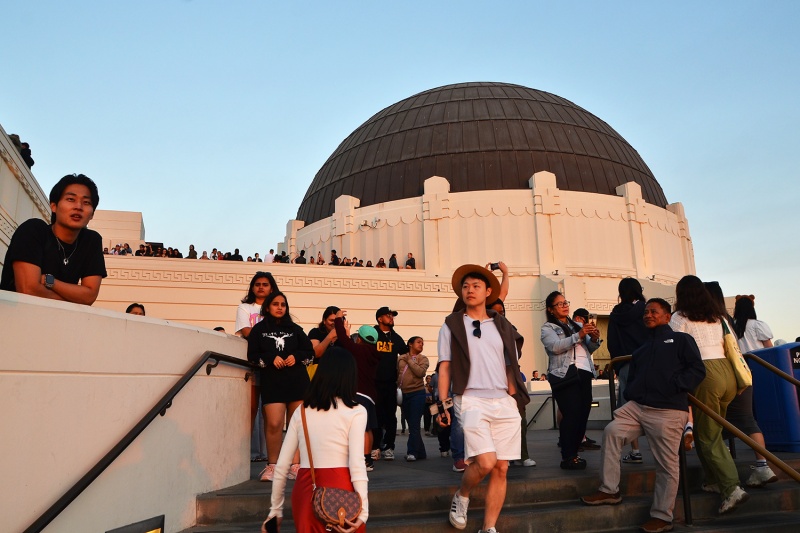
(388, 454)
(458, 511)
(268, 473)
(410, 458)
(528, 462)
(761, 476)
(737, 497)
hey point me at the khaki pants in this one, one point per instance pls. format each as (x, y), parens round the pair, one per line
(664, 431)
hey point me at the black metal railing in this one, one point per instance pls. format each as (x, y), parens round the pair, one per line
(160, 408)
(539, 410)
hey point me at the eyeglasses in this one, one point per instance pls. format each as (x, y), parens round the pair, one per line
(561, 304)
(477, 325)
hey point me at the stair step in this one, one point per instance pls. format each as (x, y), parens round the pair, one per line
(414, 497)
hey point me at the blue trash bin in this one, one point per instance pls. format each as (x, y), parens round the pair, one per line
(775, 400)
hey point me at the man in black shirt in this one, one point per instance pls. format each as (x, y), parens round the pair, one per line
(389, 345)
(62, 260)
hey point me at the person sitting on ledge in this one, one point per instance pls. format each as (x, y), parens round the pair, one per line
(62, 260)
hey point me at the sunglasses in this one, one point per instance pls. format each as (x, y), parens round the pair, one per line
(477, 325)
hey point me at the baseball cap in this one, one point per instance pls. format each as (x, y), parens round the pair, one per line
(368, 333)
(384, 311)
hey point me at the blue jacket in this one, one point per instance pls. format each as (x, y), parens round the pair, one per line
(664, 370)
(559, 348)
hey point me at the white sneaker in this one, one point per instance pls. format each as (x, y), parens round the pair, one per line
(410, 458)
(528, 462)
(458, 511)
(761, 476)
(490, 530)
(737, 497)
(388, 454)
(268, 473)
(445, 454)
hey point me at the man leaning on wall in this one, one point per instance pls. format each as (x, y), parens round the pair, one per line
(62, 260)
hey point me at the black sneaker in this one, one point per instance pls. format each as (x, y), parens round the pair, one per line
(576, 463)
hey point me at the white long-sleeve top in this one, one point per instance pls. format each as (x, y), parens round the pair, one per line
(707, 335)
(337, 440)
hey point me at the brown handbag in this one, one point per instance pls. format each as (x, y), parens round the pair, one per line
(331, 506)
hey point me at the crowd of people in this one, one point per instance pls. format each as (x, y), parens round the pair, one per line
(349, 382)
(155, 250)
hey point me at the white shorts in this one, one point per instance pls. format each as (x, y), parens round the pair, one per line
(490, 425)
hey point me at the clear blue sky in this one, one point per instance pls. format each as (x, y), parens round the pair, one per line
(212, 117)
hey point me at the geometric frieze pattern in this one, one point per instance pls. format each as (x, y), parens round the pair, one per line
(218, 278)
(525, 306)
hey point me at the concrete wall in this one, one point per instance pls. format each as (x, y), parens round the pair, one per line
(75, 379)
(119, 227)
(21, 197)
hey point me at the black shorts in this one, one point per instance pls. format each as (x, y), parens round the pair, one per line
(372, 416)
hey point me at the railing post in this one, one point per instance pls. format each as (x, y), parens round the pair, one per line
(684, 482)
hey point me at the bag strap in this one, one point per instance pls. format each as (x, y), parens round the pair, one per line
(308, 447)
(725, 330)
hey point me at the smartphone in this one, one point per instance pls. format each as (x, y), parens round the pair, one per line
(593, 320)
(494, 266)
(272, 525)
(447, 404)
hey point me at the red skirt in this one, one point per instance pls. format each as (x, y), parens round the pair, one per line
(305, 521)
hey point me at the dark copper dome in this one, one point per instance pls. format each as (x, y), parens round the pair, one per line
(480, 136)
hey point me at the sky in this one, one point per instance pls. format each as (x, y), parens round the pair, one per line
(212, 118)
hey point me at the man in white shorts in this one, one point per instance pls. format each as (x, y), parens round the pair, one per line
(478, 355)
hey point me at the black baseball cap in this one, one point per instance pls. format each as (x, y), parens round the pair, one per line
(384, 311)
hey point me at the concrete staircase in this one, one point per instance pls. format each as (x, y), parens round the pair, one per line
(415, 497)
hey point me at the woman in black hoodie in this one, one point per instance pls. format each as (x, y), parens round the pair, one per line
(627, 332)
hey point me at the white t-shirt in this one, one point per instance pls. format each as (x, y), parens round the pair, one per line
(269, 258)
(755, 333)
(487, 372)
(247, 316)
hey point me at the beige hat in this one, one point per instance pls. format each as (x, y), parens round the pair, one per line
(463, 270)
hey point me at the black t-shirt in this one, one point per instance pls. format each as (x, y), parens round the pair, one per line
(319, 334)
(35, 243)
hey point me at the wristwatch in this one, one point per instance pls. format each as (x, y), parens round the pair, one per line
(49, 281)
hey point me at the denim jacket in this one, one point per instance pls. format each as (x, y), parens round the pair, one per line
(560, 348)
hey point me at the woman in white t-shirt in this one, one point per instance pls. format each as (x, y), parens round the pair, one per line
(336, 425)
(751, 334)
(248, 314)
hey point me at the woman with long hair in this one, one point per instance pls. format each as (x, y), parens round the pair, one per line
(381, 263)
(699, 315)
(751, 334)
(248, 314)
(282, 350)
(336, 425)
(324, 335)
(627, 332)
(569, 344)
(411, 369)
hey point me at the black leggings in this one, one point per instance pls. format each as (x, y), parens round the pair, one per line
(575, 403)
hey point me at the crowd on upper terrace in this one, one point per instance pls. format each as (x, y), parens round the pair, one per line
(151, 250)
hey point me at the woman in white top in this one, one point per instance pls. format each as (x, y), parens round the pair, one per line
(751, 334)
(248, 314)
(336, 425)
(697, 314)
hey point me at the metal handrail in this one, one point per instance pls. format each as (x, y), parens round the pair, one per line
(791, 472)
(160, 408)
(539, 410)
(788, 377)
